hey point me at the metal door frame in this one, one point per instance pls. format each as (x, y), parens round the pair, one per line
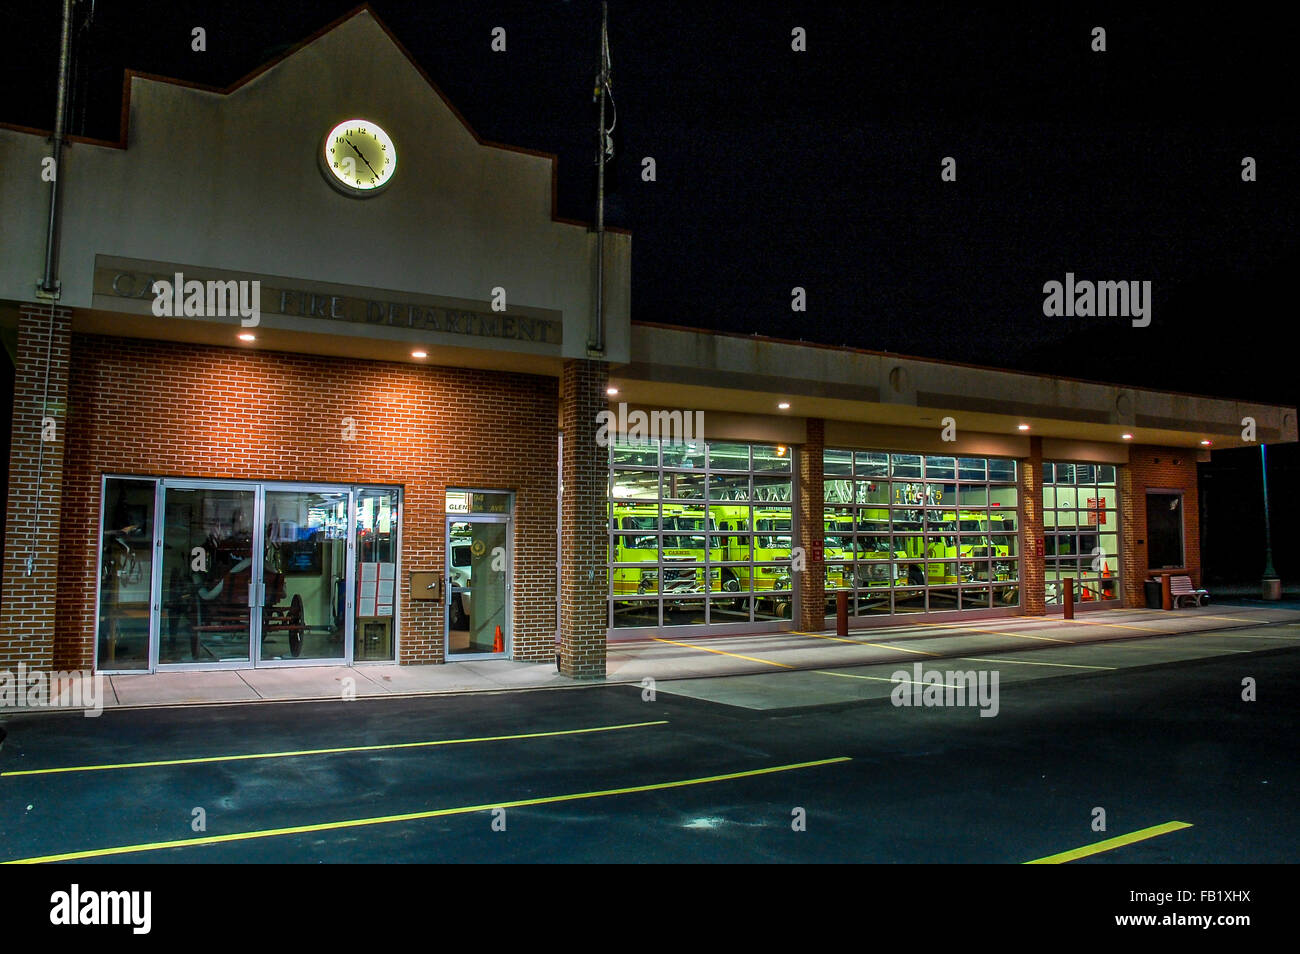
(255, 573)
(508, 642)
(349, 576)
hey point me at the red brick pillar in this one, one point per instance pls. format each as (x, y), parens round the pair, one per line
(811, 521)
(32, 514)
(1133, 527)
(1032, 597)
(584, 545)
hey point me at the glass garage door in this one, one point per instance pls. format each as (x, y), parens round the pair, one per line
(913, 533)
(700, 534)
(1081, 539)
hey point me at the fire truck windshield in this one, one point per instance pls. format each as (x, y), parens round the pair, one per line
(693, 539)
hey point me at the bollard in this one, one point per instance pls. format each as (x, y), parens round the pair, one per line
(1166, 596)
(841, 613)
(1069, 599)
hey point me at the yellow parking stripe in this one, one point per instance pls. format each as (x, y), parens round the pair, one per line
(998, 632)
(1242, 635)
(910, 682)
(416, 816)
(721, 652)
(1109, 843)
(333, 751)
(1090, 622)
(1026, 662)
(860, 642)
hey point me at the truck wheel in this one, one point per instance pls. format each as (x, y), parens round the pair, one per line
(296, 627)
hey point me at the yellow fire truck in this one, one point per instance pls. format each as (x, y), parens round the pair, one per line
(771, 543)
(635, 541)
(872, 544)
(945, 561)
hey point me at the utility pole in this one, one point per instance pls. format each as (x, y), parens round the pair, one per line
(604, 145)
(1272, 585)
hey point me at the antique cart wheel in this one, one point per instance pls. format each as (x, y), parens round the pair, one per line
(296, 627)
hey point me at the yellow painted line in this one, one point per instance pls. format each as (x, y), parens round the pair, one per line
(909, 682)
(1117, 842)
(861, 642)
(846, 675)
(721, 652)
(1025, 662)
(333, 751)
(998, 632)
(416, 816)
(1242, 635)
(1230, 619)
(1089, 622)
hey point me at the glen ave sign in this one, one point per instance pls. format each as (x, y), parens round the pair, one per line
(127, 285)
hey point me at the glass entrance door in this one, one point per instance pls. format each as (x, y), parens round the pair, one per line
(305, 559)
(378, 519)
(235, 574)
(478, 586)
(210, 563)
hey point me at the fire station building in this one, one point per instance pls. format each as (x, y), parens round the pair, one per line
(327, 381)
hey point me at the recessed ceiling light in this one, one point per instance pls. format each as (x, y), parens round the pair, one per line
(611, 391)
(1127, 437)
(1023, 427)
(247, 336)
(784, 406)
(419, 354)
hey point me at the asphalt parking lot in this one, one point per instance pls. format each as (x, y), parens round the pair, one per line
(1153, 731)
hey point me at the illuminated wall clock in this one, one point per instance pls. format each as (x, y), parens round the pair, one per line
(358, 157)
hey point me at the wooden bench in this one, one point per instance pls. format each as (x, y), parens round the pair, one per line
(1180, 588)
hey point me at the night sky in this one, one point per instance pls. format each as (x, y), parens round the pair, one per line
(822, 169)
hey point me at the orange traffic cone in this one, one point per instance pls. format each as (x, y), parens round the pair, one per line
(497, 644)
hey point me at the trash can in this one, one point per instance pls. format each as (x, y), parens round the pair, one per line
(1155, 598)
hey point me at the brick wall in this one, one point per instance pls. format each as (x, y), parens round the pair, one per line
(27, 613)
(180, 410)
(812, 519)
(1033, 597)
(584, 556)
(1165, 468)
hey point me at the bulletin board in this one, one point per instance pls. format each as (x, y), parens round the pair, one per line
(376, 589)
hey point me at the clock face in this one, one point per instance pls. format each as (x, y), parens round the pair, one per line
(358, 157)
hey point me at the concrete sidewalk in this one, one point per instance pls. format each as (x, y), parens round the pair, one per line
(665, 658)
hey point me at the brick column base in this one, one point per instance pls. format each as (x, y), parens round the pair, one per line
(27, 601)
(811, 523)
(584, 548)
